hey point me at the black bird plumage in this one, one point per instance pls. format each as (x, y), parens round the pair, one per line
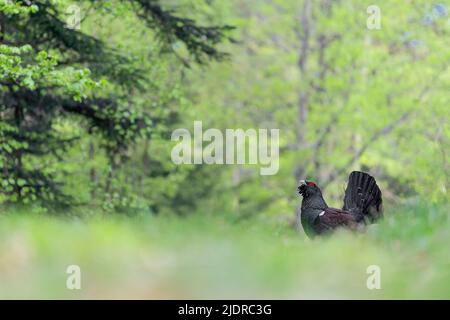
(362, 206)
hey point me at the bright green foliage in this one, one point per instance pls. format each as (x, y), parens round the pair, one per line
(373, 100)
(52, 106)
(87, 111)
(10, 8)
(343, 96)
(24, 69)
(42, 72)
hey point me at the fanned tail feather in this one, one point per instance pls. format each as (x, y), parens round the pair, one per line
(363, 197)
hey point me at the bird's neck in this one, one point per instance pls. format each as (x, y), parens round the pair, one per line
(312, 206)
(314, 201)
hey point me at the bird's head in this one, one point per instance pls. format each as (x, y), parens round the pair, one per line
(308, 188)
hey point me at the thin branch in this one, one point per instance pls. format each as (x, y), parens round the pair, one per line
(386, 129)
(377, 135)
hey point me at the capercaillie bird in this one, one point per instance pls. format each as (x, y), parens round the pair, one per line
(362, 206)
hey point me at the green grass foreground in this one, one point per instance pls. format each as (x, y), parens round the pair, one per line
(204, 257)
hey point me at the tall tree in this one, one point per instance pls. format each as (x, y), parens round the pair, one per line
(47, 79)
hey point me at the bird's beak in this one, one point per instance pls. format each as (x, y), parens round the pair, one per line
(301, 186)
